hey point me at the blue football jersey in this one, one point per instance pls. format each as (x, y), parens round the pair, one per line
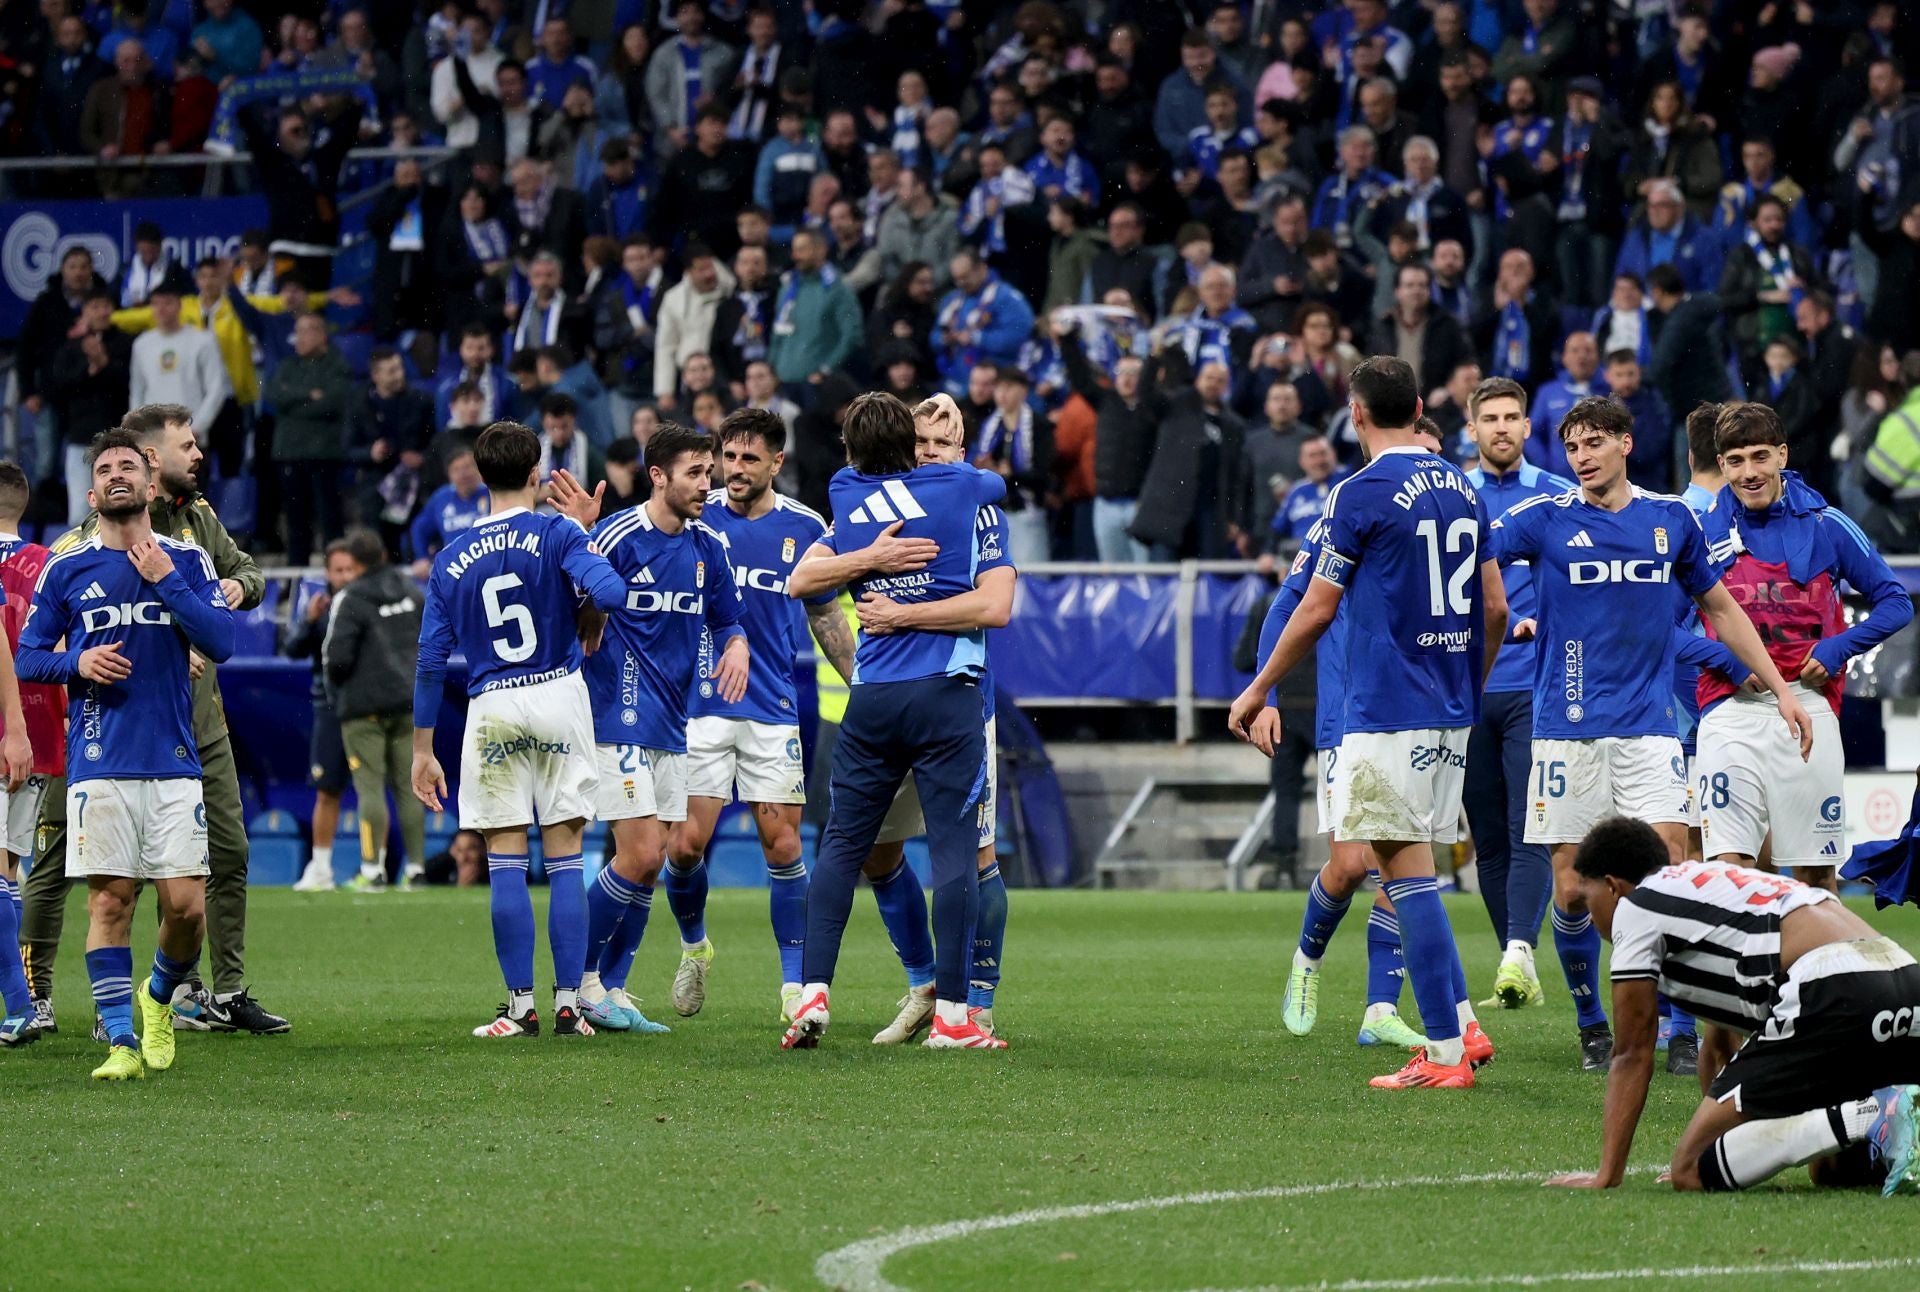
(140, 728)
(1405, 537)
(679, 588)
(1329, 653)
(941, 502)
(762, 553)
(991, 549)
(503, 593)
(1513, 668)
(1606, 582)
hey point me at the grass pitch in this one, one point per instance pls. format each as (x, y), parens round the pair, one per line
(379, 1145)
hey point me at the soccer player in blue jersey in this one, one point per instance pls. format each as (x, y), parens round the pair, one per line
(503, 594)
(1516, 877)
(679, 589)
(753, 743)
(940, 436)
(914, 705)
(1406, 540)
(1605, 560)
(1349, 863)
(129, 604)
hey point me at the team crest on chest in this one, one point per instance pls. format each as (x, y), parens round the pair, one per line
(786, 549)
(1660, 541)
(700, 574)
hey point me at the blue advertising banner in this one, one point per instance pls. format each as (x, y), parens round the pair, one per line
(39, 233)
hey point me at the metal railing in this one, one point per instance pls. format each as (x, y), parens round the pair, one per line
(215, 163)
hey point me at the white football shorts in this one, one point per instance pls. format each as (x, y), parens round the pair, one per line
(1749, 779)
(528, 755)
(904, 819)
(1329, 762)
(761, 758)
(136, 829)
(636, 781)
(21, 815)
(1399, 786)
(1574, 783)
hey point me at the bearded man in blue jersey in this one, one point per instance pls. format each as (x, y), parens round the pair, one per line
(914, 705)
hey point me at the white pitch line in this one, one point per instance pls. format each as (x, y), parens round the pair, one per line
(1582, 1276)
(856, 1267)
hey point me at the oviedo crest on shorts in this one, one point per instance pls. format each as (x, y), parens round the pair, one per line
(786, 550)
(1660, 541)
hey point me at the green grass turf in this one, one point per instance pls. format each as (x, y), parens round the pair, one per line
(380, 1146)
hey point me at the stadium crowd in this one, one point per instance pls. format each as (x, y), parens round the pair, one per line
(1141, 241)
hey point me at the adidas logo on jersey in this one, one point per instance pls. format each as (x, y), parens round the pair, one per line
(1582, 539)
(94, 592)
(876, 509)
(1831, 850)
(643, 578)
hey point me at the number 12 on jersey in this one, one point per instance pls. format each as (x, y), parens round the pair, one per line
(1450, 592)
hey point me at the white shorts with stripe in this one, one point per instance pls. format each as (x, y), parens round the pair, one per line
(761, 758)
(1749, 779)
(639, 782)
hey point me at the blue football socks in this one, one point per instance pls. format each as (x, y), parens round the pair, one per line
(1322, 917)
(111, 971)
(1386, 963)
(1427, 940)
(512, 907)
(687, 896)
(1578, 943)
(903, 910)
(989, 932)
(787, 908)
(566, 920)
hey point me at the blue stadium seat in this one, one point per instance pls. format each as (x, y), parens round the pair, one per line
(254, 631)
(346, 846)
(354, 347)
(238, 502)
(734, 862)
(441, 827)
(276, 849)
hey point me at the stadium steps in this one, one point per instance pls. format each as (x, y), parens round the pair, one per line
(1179, 832)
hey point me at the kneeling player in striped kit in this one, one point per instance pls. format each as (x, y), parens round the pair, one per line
(1827, 1006)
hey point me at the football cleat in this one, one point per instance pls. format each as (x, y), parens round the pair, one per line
(916, 1013)
(43, 1020)
(156, 1030)
(789, 1000)
(636, 1021)
(568, 1021)
(1516, 986)
(505, 1025)
(123, 1064)
(690, 979)
(316, 878)
(1895, 1138)
(99, 1032)
(809, 1023)
(190, 1013)
(1301, 1003)
(1596, 1048)
(981, 1016)
(1479, 1047)
(365, 883)
(1683, 1054)
(605, 1015)
(18, 1029)
(242, 1013)
(967, 1036)
(1391, 1029)
(1422, 1072)
(412, 880)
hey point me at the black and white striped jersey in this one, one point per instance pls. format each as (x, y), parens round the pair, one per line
(1709, 934)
